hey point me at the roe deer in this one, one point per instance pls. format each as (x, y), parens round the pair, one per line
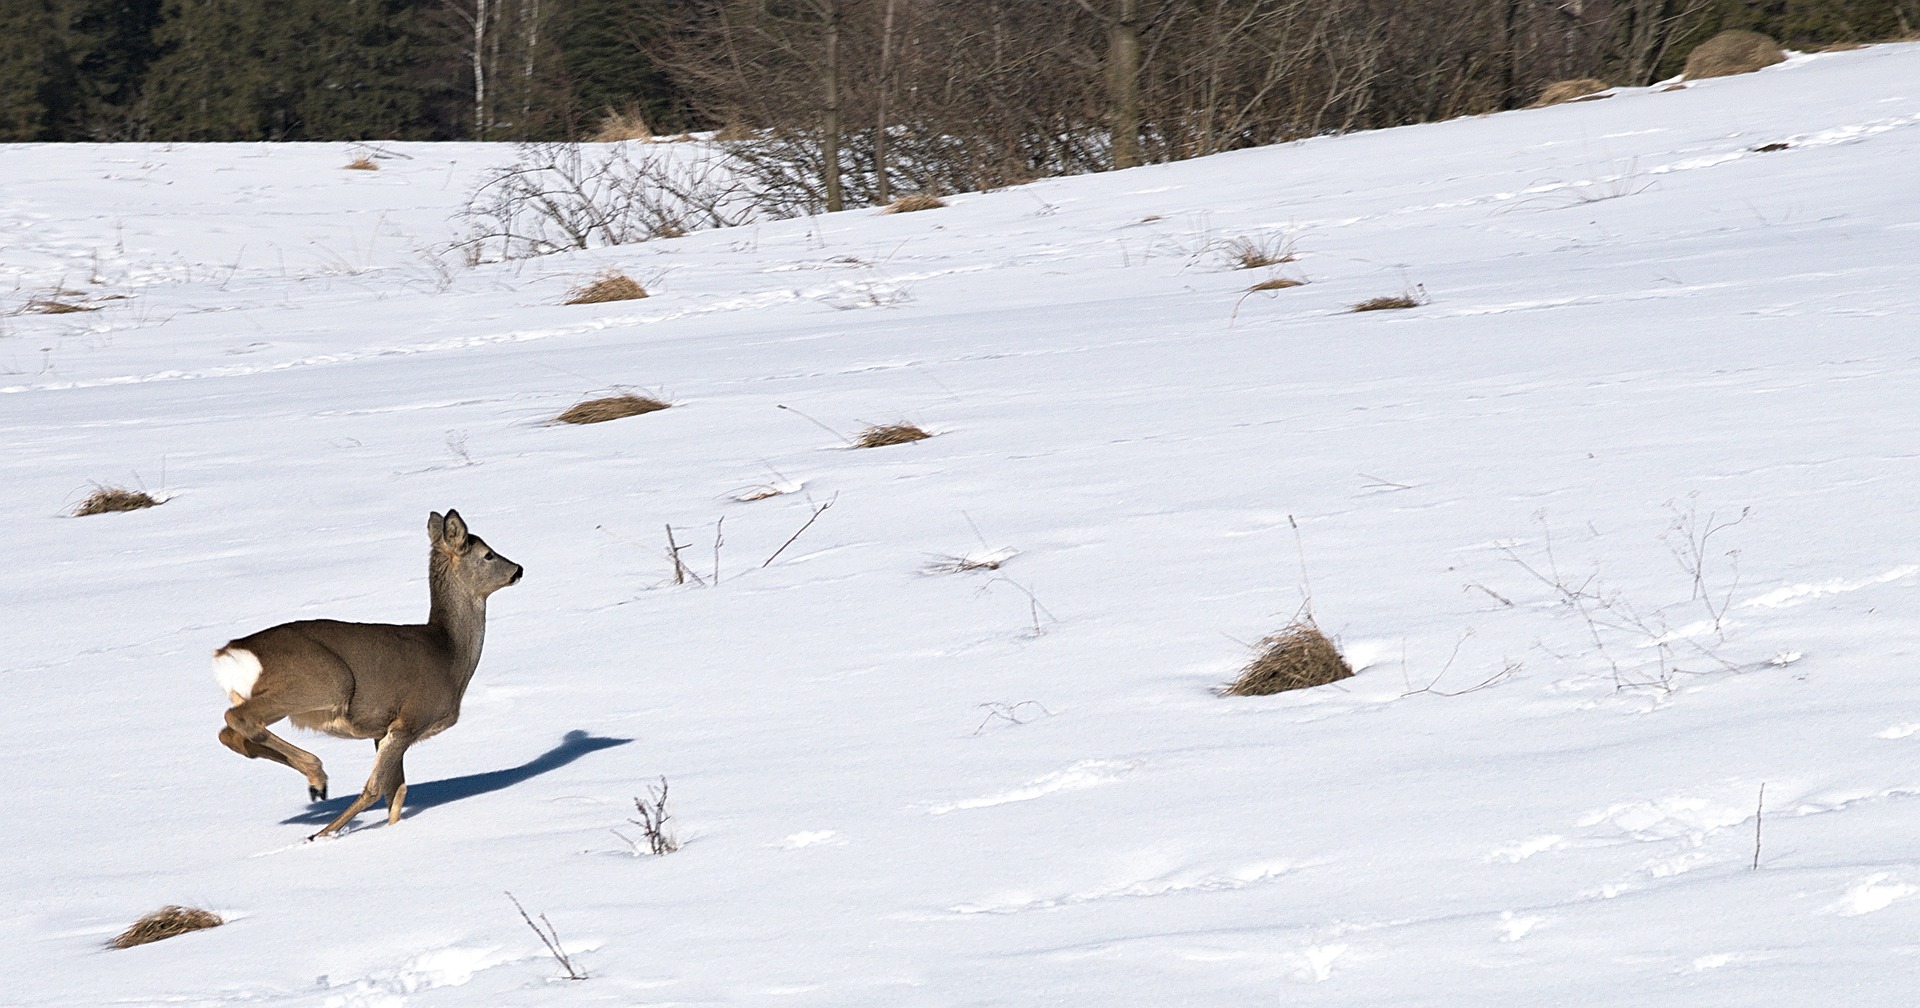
(391, 683)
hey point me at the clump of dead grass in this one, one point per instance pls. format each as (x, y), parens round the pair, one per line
(1298, 657)
(51, 306)
(610, 408)
(1570, 90)
(166, 922)
(1254, 253)
(1391, 302)
(917, 201)
(105, 499)
(621, 125)
(362, 163)
(612, 285)
(1276, 283)
(1732, 52)
(882, 435)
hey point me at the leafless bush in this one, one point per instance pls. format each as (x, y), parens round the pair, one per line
(558, 197)
(653, 823)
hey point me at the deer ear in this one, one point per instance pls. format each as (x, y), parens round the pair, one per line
(455, 530)
(436, 527)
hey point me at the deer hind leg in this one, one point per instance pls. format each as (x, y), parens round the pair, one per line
(388, 780)
(246, 733)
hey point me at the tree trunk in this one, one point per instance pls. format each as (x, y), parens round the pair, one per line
(1123, 82)
(882, 192)
(480, 69)
(830, 119)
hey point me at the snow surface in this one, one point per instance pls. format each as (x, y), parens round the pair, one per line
(903, 783)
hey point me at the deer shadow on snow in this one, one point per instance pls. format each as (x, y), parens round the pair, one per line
(428, 794)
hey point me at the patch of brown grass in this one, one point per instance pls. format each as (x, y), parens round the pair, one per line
(166, 922)
(617, 126)
(612, 285)
(1298, 657)
(49, 306)
(917, 201)
(1732, 52)
(1771, 147)
(1569, 90)
(610, 408)
(1673, 87)
(882, 435)
(732, 133)
(105, 499)
(1276, 283)
(1254, 253)
(1390, 303)
(362, 163)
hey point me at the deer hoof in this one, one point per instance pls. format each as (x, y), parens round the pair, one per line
(317, 794)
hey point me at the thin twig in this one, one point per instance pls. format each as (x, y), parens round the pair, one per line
(817, 512)
(550, 938)
(817, 423)
(1758, 810)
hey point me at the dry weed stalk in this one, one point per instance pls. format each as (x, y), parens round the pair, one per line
(1254, 253)
(818, 510)
(1298, 657)
(551, 939)
(612, 285)
(610, 408)
(653, 823)
(882, 435)
(105, 499)
(917, 201)
(166, 922)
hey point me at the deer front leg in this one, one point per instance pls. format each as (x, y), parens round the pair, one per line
(388, 780)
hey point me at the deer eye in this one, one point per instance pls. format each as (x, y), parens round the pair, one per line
(489, 556)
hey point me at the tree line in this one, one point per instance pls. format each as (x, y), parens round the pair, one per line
(848, 100)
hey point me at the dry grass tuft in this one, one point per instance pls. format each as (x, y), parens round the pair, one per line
(1390, 302)
(362, 163)
(882, 435)
(917, 201)
(48, 306)
(610, 408)
(1673, 87)
(106, 499)
(166, 922)
(1276, 283)
(1732, 52)
(623, 125)
(1771, 147)
(612, 285)
(1254, 253)
(1569, 90)
(1298, 657)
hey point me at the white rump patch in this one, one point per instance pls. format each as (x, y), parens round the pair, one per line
(236, 669)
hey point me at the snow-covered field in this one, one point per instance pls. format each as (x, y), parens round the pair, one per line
(903, 785)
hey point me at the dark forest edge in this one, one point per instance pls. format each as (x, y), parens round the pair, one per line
(947, 94)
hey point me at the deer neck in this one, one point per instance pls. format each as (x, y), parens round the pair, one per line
(462, 619)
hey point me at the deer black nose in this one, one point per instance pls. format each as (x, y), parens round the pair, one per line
(517, 571)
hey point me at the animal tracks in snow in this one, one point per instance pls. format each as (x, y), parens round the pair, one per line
(1081, 775)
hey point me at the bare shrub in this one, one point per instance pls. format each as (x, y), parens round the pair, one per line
(362, 163)
(1391, 302)
(610, 408)
(882, 435)
(622, 125)
(1298, 657)
(653, 823)
(166, 922)
(1569, 90)
(559, 197)
(917, 201)
(612, 285)
(104, 499)
(1732, 52)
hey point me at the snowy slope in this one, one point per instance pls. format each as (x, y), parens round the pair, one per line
(1639, 328)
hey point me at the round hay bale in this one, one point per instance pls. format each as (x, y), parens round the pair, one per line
(1732, 52)
(1568, 90)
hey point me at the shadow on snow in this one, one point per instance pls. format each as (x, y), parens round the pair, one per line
(428, 794)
